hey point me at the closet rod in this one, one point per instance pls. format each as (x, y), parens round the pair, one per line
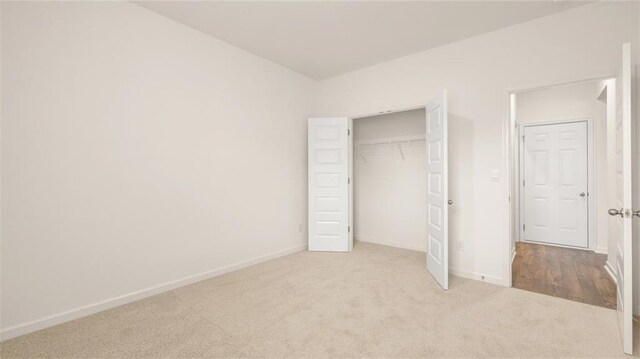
(390, 140)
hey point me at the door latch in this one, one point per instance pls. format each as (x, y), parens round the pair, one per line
(624, 213)
(616, 212)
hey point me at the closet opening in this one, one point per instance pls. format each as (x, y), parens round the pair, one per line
(382, 179)
(389, 179)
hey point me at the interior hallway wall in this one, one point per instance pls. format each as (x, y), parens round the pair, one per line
(577, 101)
(557, 103)
(607, 90)
(138, 155)
(477, 72)
(390, 192)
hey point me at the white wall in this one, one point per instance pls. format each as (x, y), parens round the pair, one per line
(137, 152)
(577, 101)
(477, 72)
(390, 192)
(557, 103)
(607, 88)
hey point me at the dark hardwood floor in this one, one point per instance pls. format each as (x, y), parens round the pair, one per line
(563, 272)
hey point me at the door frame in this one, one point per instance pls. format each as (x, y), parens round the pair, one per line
(421, 106)
(591, 187)
(508, 149)
(395, 110)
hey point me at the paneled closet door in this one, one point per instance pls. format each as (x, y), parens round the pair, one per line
(624, 214)
(437, 190)
(329, 183)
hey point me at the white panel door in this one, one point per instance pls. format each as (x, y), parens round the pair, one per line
(555, 184)
(329, 227)
(622, 213)
(437, 190)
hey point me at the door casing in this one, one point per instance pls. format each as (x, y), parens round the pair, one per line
(509, 191)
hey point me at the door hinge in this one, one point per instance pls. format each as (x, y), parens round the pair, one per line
(524, 227)
(348, 132)
(522, 138)
(349, 229)
(349, 180)
(522, 183)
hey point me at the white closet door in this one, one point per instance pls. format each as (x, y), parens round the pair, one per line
(437, 190)
(329, 217)
(622, 214)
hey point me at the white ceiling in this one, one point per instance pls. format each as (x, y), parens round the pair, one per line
(325, 39)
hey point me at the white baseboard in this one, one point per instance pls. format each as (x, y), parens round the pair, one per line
(453, 271)
(601, 250)
(477, 276)
(611, 272)
(388, 243)
(609, 269)
(49, 321)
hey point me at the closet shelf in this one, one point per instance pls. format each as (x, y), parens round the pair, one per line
(389, 146)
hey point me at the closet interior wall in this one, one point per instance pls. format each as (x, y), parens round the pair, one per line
(390, 180)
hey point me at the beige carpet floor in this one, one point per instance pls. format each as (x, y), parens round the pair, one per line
(374, 302)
